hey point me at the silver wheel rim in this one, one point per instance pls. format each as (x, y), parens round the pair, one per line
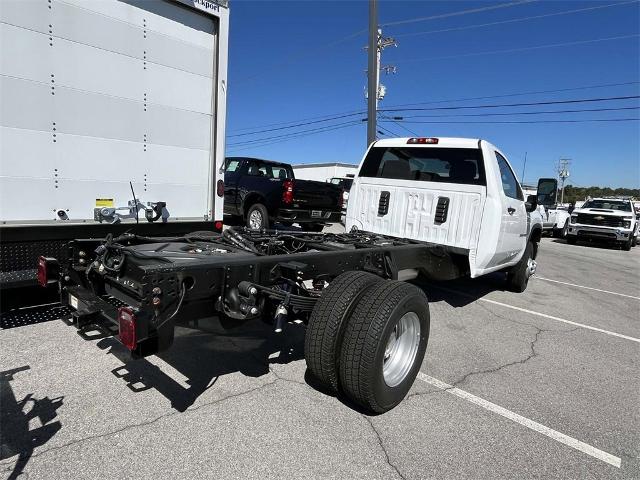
(531, 267)
(401, 350)
(255, 220)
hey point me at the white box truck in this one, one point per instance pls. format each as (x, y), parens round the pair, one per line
(99, 98)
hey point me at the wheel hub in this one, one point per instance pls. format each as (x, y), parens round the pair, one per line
(401, 350)
(531, 267)
(255, 220)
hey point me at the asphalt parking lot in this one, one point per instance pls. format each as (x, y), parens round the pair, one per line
(540, 384)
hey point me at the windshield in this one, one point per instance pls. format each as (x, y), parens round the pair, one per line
(451, 165)
(608, 205)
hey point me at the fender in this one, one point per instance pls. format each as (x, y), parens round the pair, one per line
(252, 197)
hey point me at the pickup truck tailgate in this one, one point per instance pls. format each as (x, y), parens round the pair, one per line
(417, 213)
(317, 195)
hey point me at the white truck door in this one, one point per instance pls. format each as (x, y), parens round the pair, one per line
(513, 228)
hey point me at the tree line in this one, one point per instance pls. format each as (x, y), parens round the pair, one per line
(573, 194)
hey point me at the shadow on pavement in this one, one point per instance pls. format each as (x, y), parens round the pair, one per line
(16, 437)
(204, 354)
(463, 291)
(593, 243)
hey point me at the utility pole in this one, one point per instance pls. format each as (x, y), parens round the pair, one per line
(372, 73)
(524, 167)
(563, 174)
(375, 90)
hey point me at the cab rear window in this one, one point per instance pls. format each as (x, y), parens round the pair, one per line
(450, 165)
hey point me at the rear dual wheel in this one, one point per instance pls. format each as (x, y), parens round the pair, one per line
(376, 360)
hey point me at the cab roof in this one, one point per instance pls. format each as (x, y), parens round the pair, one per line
(446, 142)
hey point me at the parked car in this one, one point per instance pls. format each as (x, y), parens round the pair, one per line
(609, 219)
(459, 193)
(262, 192)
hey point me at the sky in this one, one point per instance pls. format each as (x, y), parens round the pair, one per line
(297, 62)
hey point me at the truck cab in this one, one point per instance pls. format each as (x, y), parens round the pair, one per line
(612, 220)
(459, 193)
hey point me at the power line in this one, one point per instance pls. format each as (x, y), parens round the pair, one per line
(301, 120)
(327, 117)
(457, 14)
(514, 20)
(528, 121)
(290, 137)
(287, 135)
(405, 128)
(522, 49)
(534, 92)
(296, 125)
(527, 104)
(301, 54)
(387, 131)
(542, 112)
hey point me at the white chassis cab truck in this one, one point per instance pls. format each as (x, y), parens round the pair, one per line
(608, 219)
(458, 193)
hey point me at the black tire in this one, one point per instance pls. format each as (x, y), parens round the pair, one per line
(628, 244)
(518, 276)
(366, 339)
(561, 232)
(571, 239)
(327, 323)
(634, 241)
(313, 227)
(260, 213)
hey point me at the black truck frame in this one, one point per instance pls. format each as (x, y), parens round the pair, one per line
(140, 287)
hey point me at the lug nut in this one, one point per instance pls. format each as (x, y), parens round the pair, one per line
(253, 290)
(156, 291)
(81, 253)
(156, 301)
(81, 261)
(254, 311)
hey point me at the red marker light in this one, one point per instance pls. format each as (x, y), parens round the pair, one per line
(218, 226)
(48, 271)
(287, 193)
(127, 327)
(422, 141)
(42, 271)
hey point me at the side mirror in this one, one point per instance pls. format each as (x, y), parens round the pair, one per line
(532, 203)
(547, 191)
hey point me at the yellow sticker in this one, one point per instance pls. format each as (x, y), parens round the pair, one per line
(104, 202)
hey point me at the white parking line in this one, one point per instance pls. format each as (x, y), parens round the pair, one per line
(551, 317)
(535, 426)
(543, 315)
(586, 288)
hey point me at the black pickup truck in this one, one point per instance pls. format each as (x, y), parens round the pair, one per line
(263, 192)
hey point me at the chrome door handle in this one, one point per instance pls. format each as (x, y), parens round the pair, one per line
(511, 210)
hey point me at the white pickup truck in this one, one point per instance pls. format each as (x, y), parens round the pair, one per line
(609, 219)
(555, 218)
(459, 193)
